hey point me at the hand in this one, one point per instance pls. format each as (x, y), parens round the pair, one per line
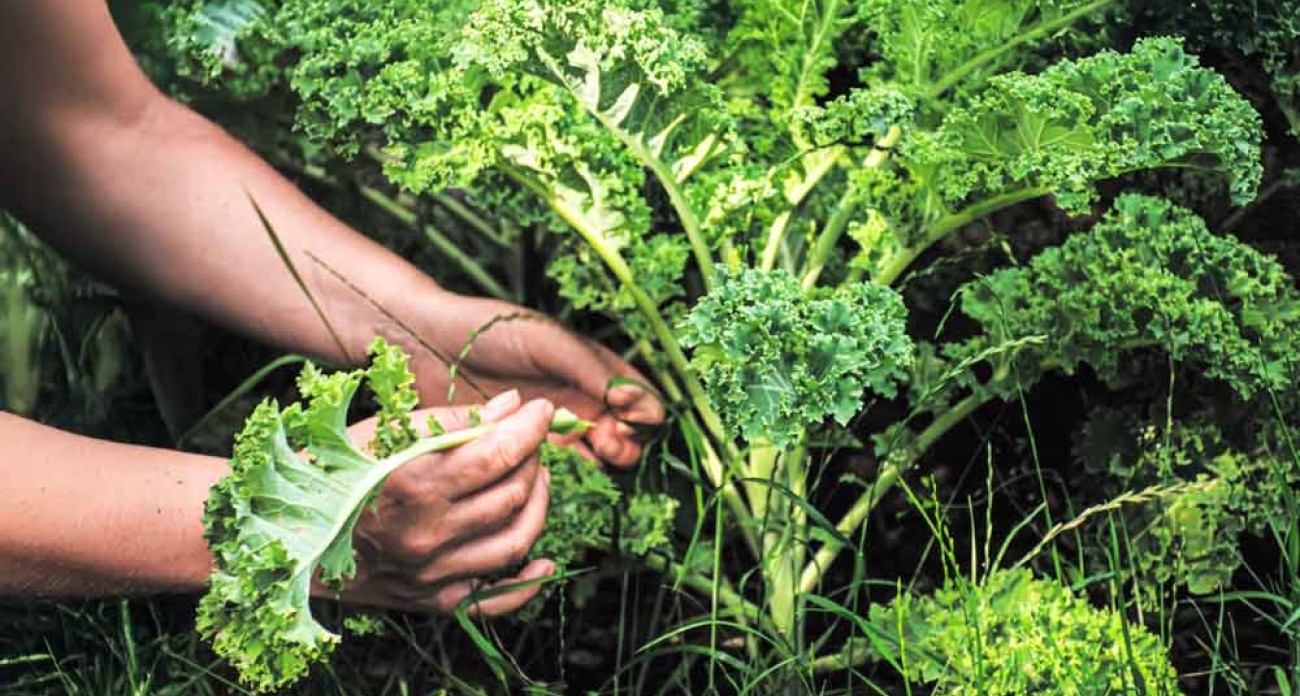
(445, 520)
(527, 351)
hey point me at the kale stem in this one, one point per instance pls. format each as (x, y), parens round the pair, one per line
(885, 480)
(742, 607)
(830, 236)
(962, 71)
(817, 170)
(444, 245)
(471, 218)
(658, 325)
(895, 264)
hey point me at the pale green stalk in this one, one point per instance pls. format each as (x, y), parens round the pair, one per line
(726, 594)
(830, 236)
(448, 248)
(819, 163)
(895, 264)
(962, 71)
(885, 480)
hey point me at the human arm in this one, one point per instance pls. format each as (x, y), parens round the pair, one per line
(155, 199)
(86, 517)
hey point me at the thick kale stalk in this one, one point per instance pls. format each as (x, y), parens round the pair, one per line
(284, 516)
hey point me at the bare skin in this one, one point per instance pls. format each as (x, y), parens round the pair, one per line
(153, 198)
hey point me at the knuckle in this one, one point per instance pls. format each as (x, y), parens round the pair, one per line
(517, 552)
(415, 545)
(505, 450)
(445, 602)
(516, 497)
(406, 486)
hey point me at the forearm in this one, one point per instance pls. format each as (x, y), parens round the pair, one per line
(85, 517)
(160, 206)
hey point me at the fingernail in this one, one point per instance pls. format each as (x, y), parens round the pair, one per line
(547, 408)
(501, 404)
(623, 395)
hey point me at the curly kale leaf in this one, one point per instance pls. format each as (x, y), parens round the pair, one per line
(1015, 634)
(1266, 31)
(281, 518)
(777, 359)
(792, 46)
(277, 521)
(583, 502)
(647, 524)
(393, 384)
(658, 263)
(642, 80)
(860, 116)
(927, 47)
(1213, 491)
(588, 510)
(1081, 121)
(1148, 275)
(232, 45)
(644, 83)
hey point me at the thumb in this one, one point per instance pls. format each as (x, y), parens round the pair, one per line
(496, 409)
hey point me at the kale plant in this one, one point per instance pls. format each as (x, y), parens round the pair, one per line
(1013, 634)
(745, 188)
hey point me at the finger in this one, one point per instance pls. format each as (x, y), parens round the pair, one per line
(589, 367)
(496, 409)
(490, 458)
(494, 507)
(501, 549)
(448, 598)
(611, 444)
(429, 472)
(632, 396)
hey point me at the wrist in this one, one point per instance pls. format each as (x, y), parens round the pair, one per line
(395, 304)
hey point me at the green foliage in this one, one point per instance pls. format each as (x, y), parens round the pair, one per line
(701, 165)
(588, 511)
(228, 40)
(583, 502)
(281, 520)
(792, 46)
(1268, 32)
(64, 340)
(1148, 275)
(934, 45)
(777, 359)
(1216, 491)
(1014, 634)
(276, 521)
(393, 385)
(647, 524)
(1081, 121)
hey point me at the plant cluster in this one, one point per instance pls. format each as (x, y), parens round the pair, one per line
(745, 190)
(991, 637)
